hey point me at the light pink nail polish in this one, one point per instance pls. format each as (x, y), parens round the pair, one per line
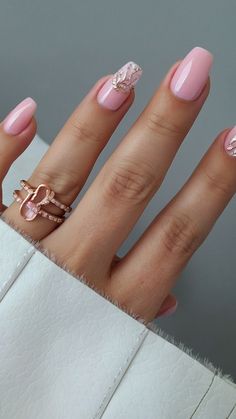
(18, 119)
(230, 142)
(169, 311)
(192, 74)
(116, 89)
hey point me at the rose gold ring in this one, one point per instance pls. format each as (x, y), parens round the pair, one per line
(36, 198)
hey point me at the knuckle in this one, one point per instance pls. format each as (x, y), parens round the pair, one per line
(56, 180)
(163, 125)
(180, 235)
(83, 133)
(130, 182)
(215, 182)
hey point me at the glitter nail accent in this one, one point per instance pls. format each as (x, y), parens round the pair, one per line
(231, 147)
(125, 79)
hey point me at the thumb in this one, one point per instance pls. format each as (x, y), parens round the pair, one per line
(16, 132)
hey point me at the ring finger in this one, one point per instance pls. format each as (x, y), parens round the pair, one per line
(68, 162)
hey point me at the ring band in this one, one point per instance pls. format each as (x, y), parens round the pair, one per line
(41, 212)
(25, 185)
(36, 198)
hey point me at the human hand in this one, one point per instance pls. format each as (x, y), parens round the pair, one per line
(88, 240)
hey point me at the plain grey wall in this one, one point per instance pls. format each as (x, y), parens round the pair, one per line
(54, 51)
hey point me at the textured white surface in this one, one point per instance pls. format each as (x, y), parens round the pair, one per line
(68, 353)
(58, 338)
(218, 400)
(170, 384)
(12, 261)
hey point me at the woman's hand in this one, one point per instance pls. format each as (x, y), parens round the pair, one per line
(88, 240)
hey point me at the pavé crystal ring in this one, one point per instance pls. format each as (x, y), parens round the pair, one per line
(31, 206)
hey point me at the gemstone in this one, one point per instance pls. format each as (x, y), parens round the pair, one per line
(31, 209)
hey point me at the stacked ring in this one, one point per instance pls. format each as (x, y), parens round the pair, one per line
(31, 206)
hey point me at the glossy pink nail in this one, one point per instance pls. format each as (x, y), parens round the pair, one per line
(168, 311)
(230, 142)
(116, 89)
(192, 74)
(18, 119)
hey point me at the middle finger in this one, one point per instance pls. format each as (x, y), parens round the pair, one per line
(133, 173)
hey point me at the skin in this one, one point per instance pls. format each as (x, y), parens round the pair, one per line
(89, 239)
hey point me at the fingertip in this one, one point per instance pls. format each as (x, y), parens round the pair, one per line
(97, 86)
(117, 89)
(227, 139)
(188, 80)
(168, 307)
(27, 135)
(170, 73)
(19, 117)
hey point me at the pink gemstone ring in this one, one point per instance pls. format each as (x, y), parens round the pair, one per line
(36, 198)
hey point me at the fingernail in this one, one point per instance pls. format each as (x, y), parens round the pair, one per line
(230, 142)
(192, 74)
(168, 311)
(18, 119)
(116, 89)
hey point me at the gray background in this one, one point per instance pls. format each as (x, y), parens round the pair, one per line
(54, 51)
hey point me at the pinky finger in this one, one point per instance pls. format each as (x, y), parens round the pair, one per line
(168, 306)
(16, 132)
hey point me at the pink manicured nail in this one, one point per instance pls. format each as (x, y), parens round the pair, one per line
(116, 89)
(230, 142)
(168, 311)
(192, 74)
(18, 119)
